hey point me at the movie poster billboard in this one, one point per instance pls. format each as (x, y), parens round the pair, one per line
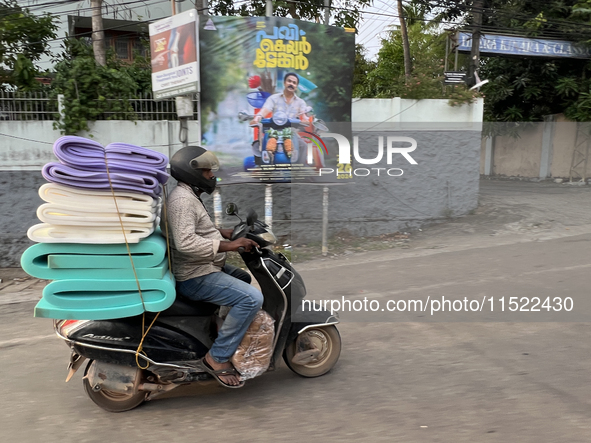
(173, 47)
(270, 88)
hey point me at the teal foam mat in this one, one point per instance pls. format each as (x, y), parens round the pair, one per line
(54, 261)
(96, 299)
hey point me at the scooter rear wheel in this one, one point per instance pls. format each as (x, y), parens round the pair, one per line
(328, 340)
(110, 400)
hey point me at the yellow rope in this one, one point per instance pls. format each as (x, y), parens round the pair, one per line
(144, 334)
(165, 215)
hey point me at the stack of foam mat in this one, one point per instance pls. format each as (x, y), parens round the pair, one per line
(100, 194)
(100, 232)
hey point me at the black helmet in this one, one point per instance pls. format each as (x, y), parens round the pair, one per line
(187, 166)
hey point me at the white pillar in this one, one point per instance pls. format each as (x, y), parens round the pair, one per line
(325, 221)
(217, 208)
(269, 205)
(488, 156)
(547, 146)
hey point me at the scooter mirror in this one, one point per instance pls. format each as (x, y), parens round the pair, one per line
(320, 125)
(251, 217)
(244, 116)
(232, 209)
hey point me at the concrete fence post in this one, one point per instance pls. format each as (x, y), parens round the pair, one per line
(61, 108)
(547, 146)
(488, 156)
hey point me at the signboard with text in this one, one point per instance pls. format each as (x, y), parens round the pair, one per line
(454, 77)
(173, 45)
(511, 45)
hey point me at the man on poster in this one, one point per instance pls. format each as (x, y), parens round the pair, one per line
(288, 102)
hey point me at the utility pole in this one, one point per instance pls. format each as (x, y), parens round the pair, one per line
(201, 6)
(477, 8)
(405, 44)
(184, 103)
(98, 34)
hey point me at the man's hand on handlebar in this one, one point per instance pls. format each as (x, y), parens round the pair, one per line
(245, 243)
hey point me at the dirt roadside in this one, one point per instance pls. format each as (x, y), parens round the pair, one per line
(509, 211)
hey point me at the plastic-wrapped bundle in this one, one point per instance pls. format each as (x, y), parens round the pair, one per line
(253, 356)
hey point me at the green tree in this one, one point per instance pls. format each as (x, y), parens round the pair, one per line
(528, 88)
(344, 12)
(363, 67)
(24, 39)
(427, 48)
(91, 90)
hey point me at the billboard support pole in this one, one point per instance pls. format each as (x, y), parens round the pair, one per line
(269, 188)
(217, 209)
(325, 189)
(269, 205)
(325, 221)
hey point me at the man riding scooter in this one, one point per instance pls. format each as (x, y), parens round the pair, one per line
(199, 255)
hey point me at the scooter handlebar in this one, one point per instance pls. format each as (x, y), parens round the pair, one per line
(255, 249)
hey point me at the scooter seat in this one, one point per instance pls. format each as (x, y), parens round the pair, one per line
(183, 307)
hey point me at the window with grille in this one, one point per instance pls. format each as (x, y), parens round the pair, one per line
(122, 48)
(139, 47)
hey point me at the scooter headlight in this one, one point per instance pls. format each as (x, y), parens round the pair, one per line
(280, 118)
(268, 237)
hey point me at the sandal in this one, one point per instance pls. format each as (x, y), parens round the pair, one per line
(221, 372)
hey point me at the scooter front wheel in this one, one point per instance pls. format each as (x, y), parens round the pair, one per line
(325, 339)
(113, 401)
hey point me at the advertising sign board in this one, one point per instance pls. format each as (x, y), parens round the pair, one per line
(173, 44)
(271, 87)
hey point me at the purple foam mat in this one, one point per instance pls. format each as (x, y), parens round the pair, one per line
(85, 179)
(84, 154)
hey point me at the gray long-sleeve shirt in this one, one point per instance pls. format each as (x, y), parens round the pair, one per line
(194, 240)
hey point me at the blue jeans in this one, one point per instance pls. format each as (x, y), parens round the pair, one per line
(228, 288)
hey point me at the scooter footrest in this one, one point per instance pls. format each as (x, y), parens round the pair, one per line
(191, 364)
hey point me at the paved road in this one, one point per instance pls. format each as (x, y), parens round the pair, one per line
(404, 378)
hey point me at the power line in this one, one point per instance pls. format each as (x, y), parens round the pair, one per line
(373, 20)
(485, 28)
(50, 143)
(87, 33)
(87, 9)
(513, 14)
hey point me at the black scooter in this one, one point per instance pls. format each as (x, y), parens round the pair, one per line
(118, 379)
